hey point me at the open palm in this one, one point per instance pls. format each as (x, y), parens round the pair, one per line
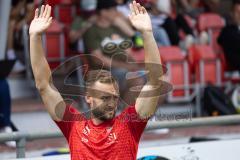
(139, 17)
(41, 21)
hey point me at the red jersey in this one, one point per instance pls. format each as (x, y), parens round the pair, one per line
(114, 139)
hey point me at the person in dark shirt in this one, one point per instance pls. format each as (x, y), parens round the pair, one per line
(229, 38)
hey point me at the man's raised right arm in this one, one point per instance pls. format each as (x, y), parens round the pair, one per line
(41, 70)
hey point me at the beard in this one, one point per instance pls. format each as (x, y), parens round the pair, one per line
(103, 113)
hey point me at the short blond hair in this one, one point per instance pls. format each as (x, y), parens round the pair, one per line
(102, 76)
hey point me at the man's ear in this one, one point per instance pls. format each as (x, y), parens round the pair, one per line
(88, 99)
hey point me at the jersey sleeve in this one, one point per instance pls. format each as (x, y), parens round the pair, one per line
(135, 123)
(71, 116)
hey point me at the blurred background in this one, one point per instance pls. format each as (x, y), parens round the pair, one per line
(199, 43)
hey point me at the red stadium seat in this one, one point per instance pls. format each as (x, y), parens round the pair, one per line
(138, 55)
(191, 59)
(171, 54)
(52, 3)
(65, 12)
(209, 21)
(178, 71)
(54, 44)
(206, 64)
(213, 24)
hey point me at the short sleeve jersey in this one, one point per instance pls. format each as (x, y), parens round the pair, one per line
(113, 139)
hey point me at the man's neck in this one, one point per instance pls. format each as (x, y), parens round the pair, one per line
(96, 121)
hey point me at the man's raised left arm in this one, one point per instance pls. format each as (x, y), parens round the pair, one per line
(146, 103)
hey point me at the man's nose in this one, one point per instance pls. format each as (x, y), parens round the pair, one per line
(112, 101)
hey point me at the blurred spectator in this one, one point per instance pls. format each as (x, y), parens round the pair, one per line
(80, 25)
(5, 110)
(159, 32)
(123, 7)
(117, 19)
(194, 8)
(160, 35)
(191, 10)
(229, 38)
(160, 12)
(21, 13)
(88, 5)
(104, 33)
(189, 7)
(103, 30)
(122, 22)
(211, 6)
